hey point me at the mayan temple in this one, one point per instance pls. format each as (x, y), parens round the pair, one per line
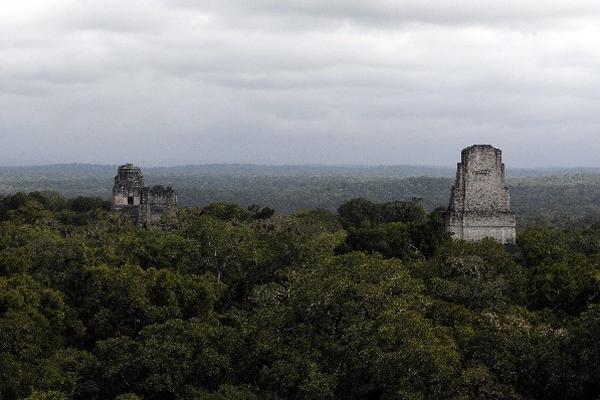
(480, 201)
(145, 205)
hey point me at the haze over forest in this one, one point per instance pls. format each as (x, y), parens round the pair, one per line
(561, 197)
(298, 82)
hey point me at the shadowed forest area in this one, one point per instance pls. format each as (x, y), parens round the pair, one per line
(372, 301)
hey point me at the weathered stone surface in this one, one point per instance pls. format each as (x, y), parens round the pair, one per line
(129, 183)
(144, 204)
(157, 201)
(480, 201)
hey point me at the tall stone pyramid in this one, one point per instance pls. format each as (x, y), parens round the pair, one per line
(480, 201)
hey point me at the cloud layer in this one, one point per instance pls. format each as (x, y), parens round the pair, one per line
(298, 81)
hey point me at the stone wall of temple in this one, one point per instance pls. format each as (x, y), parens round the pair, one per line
(480, 201)
(129, 183)
(142, 204)
(157, 201)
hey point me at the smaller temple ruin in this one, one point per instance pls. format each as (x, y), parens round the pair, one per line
(145, 205)
(480, 201)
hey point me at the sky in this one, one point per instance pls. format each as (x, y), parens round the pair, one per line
(174, 82)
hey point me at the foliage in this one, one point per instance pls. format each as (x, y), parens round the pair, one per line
(234, 302)
(556, 197)
(397, 229)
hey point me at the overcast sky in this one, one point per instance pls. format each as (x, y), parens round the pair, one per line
(171, 82)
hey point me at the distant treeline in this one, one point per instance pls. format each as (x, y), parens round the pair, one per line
(541, 198)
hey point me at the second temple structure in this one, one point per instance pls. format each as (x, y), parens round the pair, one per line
(144, 204)
(480, 201)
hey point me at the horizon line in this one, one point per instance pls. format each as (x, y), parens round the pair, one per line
(310, 165)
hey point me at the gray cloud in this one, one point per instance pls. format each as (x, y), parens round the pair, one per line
(390, 13)
(379, 81)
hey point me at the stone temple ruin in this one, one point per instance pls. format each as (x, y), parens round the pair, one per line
(480, 201)
(144, 204)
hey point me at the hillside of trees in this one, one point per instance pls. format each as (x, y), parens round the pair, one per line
(556, 197)
(371, 301)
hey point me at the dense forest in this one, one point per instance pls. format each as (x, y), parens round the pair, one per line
(552, 197)
(371, 301)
